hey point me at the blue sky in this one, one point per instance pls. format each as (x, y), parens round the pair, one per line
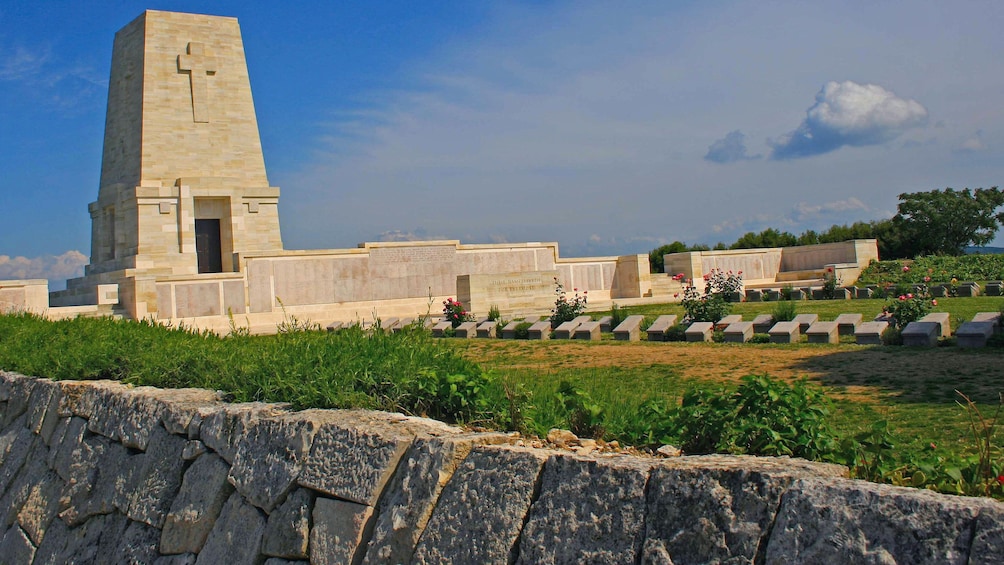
(609, 127)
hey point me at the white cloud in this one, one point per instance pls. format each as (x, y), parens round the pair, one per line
(21, 63)
(848, 113)
(803, 211)
(729, 149)
(973, 144)
(56, 268)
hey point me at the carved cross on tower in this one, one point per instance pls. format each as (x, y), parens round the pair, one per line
(198, 65)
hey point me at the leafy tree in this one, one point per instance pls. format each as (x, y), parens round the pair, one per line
(944, 222)
(655, 260)
(769, 237)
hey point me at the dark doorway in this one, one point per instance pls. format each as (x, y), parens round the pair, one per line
(207, 246)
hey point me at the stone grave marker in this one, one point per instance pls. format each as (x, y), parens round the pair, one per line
(785, 332)
(466, 330)
(994, 288)
(968, 289)
(938, 291)
(699, 331)
(993, 317)
(774, 295)
(870, 333)
(657, 331)
(823, 332)
(974, 334)
(754, 295)
(805, 320)
(439, 328)
(566, 330)
(847, 322)
(334, 326)
(728, 320)
(762, 323)
(943, 321)
(739, 332)
(629, 329)
(921, 334)
(606, 324)
(588, 331)
(487, 329)
(798, 294)
(402, 323)
(864, 293)
(541, 330)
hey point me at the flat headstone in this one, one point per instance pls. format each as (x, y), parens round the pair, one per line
(466, 330)
(938, 291)
(606, 324)
(566, 330)
(823, 332)
(921, 334)
(994, 288)
(700, 331)
(773, 295)
(657, 331)
(734, 297)
(728, 320)
(487, 329)
(739, 332)
(509, 331)
(390, 323)
(762, 323)
(541, 330)
(863, 293)
(847, 322)
(805, 320)
(629, 329)
(439, 329)
(843, 293)
(798, 294)
(588, 331)
(993, 317)
(333, 326)
(401, 324)
(754, 295)
(968, 289)
(870, 333)
(944, 321)
(974, 334)
(785, 332)
(818, 294)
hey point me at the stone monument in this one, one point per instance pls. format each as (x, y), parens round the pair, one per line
(183, 187)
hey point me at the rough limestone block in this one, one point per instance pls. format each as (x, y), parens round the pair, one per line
(968, 289)
(487, 329)
(589, 331)
(184, 418)
(98, 480)
(805, 320)
(762, 323)
(21, 487)
(130, 415)
(846, 323)
(269, 457)
(43, 409)
(138, 544)
(728, 320)
(61, 455)
(921, 334)
(943, 319)
(754, 295)
(541, 330)
(739, 332)
(409, 500)
(988, 538)
(16, 443)
(354, 454)
(785, 332)
(823, 332)
(699, 331)
(974, 334)
(96, 541)
(236, 537)
(15, 547)
(439, 329)
(719, 509)
(606, 324)
(595, 507)
(870, 333)
(204, 490)
(629, 329)
(17, 401)
(841, 521)
(287, 532)
(481, 510)
(40, 506)
(466, 330)
(994, 288)
(338, 531)
(157, 479)
(222, 429)
(864, 292)
(657, 331)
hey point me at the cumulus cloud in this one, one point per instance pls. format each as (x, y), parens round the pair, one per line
(803, 211)
(56, 268)
(848, 113)
(729, 149)
(973, 144)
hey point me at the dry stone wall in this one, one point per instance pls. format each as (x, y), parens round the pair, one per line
(100, 472)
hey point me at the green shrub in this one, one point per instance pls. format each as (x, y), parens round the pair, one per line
(909, 307)
(566, 310)
(494, 314)
(617, 315)
(676, 333)
(761, 417)
(713, 305)
(892, 336)
(785, 311)
(585, 416)
(760, 338)
(455, 312)
(522, 330)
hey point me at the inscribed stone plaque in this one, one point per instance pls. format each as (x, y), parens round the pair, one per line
(510, 292)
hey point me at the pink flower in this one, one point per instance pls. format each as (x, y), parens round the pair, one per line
(575, 290)
(1000, 479)
(676, 295)
(585, 292)
(934, 302)
(905, 269)
(902, 297)
(740, 272)
(909, 295)
(706, 276)
(927, 279)
(829, 269)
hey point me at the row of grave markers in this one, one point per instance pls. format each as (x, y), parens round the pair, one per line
(922, 333)
(993, 288)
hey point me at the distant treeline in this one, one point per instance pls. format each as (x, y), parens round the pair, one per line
(938, 222)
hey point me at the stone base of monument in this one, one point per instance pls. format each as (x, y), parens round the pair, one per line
(823, 332)
(785, 332)
(738, 332)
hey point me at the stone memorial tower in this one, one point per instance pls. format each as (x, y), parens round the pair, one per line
(183, 187)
